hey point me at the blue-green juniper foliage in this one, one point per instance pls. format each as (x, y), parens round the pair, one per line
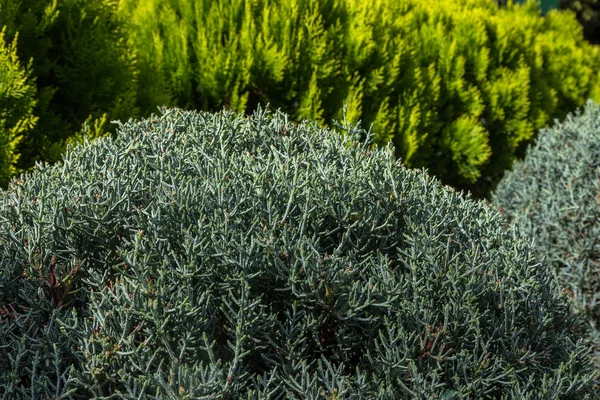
(553, 195)
(228, 257)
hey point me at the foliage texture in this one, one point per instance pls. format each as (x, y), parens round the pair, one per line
(207, 255)
(587, 13)
(553, 196)
(83, 69)
(17, 100)
(459, 86)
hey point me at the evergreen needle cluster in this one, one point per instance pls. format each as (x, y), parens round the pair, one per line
(553, 196)
(204, 255)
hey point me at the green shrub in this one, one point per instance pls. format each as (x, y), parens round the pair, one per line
(587, 13)
(554, 197)
(16, 107)
(459, 86)
(83, 68)
(217, 256)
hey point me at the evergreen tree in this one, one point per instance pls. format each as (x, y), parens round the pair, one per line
(459, 87)
(83, 69)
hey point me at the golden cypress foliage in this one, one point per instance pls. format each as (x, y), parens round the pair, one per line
(82, 65)
(459, 86)
(16, 106)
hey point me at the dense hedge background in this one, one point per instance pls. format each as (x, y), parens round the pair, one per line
(586, 11)
(588, 15)
(83, 69)
(17, 91)
(460, 87)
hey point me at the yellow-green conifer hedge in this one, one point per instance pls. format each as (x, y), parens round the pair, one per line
(84, 70)
(17, 101)
(459, 86)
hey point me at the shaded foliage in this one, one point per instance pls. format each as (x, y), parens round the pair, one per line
(17, 100)
(83, 69)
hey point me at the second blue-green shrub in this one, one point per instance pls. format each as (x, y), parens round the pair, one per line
(553, 196)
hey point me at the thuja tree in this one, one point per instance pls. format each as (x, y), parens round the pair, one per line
(17, 100)
(221, 256)
(554, 197)
(83, 69)
(459, 87)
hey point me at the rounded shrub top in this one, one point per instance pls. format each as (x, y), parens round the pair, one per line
(553, 195)
(221, 256)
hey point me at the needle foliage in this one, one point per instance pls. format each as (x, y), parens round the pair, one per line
(459, 87)
(553, 196)
(17, 101)
(204, 255)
